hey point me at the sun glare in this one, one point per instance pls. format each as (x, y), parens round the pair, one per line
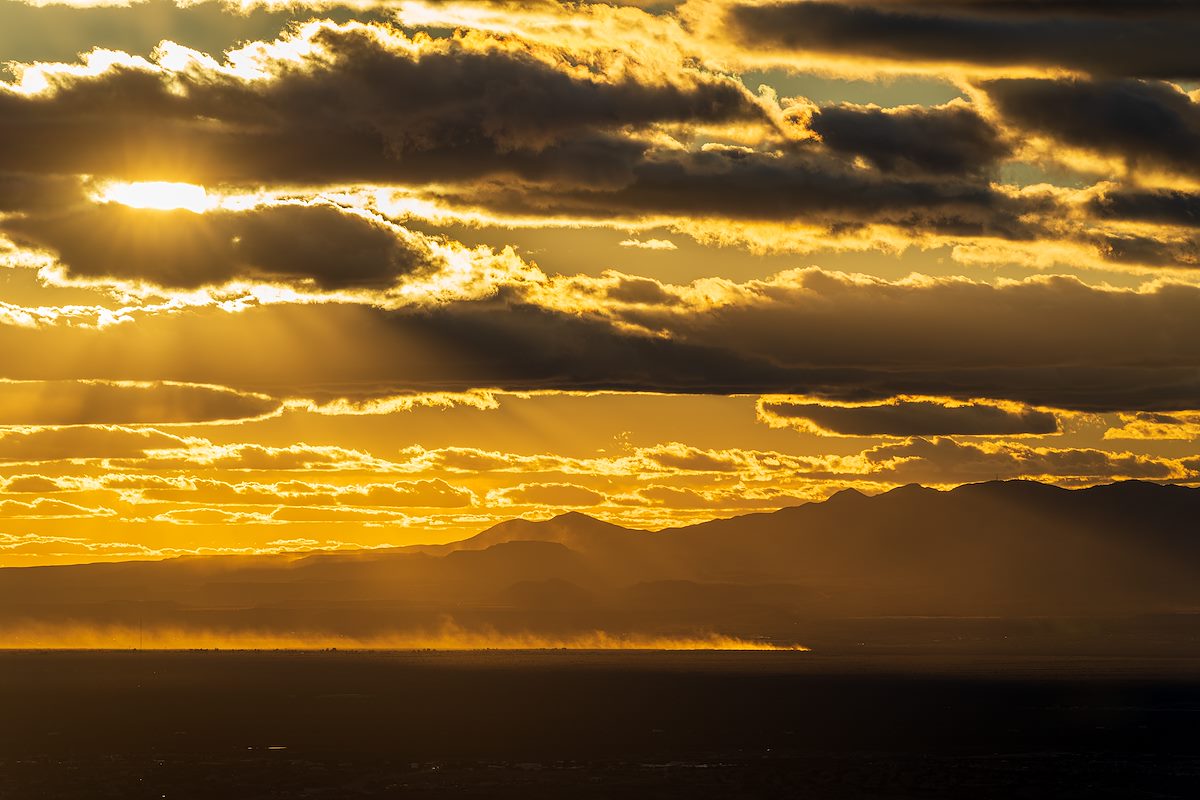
(161, 195)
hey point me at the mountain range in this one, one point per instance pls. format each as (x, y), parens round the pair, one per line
(979, 562)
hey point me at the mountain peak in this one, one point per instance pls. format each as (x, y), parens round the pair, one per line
(845, 495)
(1009, 487)
(910, 490)
(573, 516)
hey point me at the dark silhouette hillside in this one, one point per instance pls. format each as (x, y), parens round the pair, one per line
(1010, 551)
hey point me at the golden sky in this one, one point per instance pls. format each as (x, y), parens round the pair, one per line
(299, 275)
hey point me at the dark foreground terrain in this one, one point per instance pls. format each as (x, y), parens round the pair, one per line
(573, 724)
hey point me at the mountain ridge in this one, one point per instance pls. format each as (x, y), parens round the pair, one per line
(996, 550)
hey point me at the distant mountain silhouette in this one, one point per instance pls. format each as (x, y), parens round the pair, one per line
(1010, 550)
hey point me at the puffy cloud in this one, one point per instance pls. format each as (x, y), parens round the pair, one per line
(314, 243)
(517, 127)
(906, 417)
(1183, 425)
(1151, 124)
(952, 139)
(79, 25)
(649, 244)
(346, 103)
(1159, 207)
(32, 484)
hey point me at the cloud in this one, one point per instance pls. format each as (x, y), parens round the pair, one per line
(667, 458)
(547, 494)
(251, 457)
(38, 193)
(318, 514)
(1151, 124)
(125, 403)
(952, 139)
(434, 493)
(906, 417)
(213, 516)
(314, 243)
(1159, 207)
(945, 461)
(43, 547)
(32, 484)
(1141, 39)
(366, 104)
(803, 184)
(44, 508)
(649, 244)
(350, 103)
(60, 444)
(415, 494)
(1048, 341)
(1184, 426)
(738, 498)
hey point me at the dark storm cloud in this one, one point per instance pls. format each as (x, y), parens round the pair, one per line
(1177, 210)
(1131, 38)
(1146, 123)
(318, 243)
(1054, 343)
(800, 186)
(951, 140)
(503, 127)
(1161, 207)
(362, 105)
(912, 418)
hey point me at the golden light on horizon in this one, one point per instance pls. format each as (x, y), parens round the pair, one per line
(159, 195)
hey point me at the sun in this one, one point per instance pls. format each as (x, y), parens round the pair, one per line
(161, 195)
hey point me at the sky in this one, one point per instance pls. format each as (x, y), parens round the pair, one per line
(302, 275)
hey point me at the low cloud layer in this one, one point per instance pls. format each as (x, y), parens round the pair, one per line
(907, 417)
(107, 403)
(1053, 342)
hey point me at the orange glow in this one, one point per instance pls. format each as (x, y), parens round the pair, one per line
(450, 637)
